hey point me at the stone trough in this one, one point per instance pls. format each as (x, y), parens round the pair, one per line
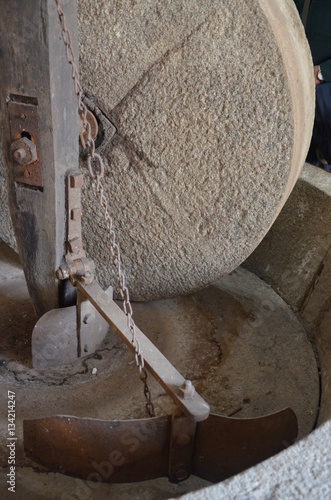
(296, 268)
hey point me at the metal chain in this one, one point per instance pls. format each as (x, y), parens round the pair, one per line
(96, 170)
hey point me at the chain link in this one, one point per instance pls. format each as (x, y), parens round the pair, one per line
(96, 170)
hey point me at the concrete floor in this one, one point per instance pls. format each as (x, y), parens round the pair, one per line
(238, 342)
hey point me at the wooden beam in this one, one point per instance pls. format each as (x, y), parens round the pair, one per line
(35, 74)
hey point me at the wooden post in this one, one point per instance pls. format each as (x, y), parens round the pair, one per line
(38, 106)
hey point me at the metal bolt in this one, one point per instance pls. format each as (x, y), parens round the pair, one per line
(87, 278)
(62, 273)
(181, 474)
(19, 154)
(183, 439)
(24, 151)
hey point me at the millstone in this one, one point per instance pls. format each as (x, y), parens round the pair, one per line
(211, 132)
(213, 106)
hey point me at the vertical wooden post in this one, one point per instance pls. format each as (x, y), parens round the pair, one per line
(38, 103)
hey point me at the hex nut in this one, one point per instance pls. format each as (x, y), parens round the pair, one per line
(87, 278)
(187, 390)
(62, 273)
(24, 151)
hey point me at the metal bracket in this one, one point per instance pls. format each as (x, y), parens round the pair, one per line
(76, 264)
(83, 327)
(181, 447)
(25, 146)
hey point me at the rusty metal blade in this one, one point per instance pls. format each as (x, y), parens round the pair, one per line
(226, 446)
(100, 450)
(138, 450)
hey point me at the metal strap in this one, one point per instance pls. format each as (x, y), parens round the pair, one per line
(181, 447)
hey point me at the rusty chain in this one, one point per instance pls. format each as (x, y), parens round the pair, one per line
(96, 170)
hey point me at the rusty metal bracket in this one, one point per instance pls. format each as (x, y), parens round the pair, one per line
(190, 442)
(25, 145)
(76, 265)
(83, 329)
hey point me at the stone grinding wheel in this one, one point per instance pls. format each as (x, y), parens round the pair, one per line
(213, 105)
(213, 108)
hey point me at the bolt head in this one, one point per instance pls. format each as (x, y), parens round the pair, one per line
(76, 180)
(181, 474)
(24, 151)
(183, 439)
(62, 273)
(19, 154)
(87, 278)
(187, 390)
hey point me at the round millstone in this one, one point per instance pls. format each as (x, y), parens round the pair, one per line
(213, 105)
